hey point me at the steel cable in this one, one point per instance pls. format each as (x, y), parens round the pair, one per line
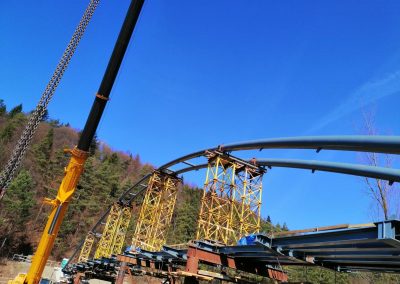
(34, 119)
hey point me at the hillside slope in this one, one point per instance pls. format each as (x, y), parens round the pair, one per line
(22, 216)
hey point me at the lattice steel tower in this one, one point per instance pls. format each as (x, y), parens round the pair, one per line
(113, 236)
(156, 212)
(231, 202)
(86, 248)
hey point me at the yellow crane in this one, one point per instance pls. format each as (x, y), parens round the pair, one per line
(80, 153)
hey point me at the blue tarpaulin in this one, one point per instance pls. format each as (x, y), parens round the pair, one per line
(247, 240)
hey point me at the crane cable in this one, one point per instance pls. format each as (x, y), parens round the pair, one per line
(23, 143)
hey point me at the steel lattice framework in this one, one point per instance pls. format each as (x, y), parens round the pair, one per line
(167, 204)
(113, 237)
(104, 246)
(122, 228)
(231, 202)
(248, 196)
(156, 212)
(86, 248)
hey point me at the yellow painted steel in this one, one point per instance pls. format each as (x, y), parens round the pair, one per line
(115, 229)
(104, 247)
(215, 218)
(156, 212)
(166, 209)
(231, 202)
(248, 200)
(122, 228)
(59, 206)
(86, 248)
(148, 211)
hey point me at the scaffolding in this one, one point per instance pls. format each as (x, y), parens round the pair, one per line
(248, 205)
(231, 202)
(113, 236)
(156, 212)
(122, 228)
(86, 248)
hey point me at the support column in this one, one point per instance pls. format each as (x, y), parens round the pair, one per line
(231, 202)
(104, 246)
(86, 248)
(122, 228)
(156, 212)
(248, 200)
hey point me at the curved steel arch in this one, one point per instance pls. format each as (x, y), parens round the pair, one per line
(361, 143)
(391, 175)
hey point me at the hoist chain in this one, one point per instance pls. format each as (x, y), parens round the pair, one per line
(34, 119)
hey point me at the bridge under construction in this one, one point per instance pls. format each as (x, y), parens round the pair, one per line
(228, 244)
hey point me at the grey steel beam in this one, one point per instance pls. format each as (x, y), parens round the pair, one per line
(349, 249)
(359, 143)
(389, 174)
(392, 175)
(362, 262)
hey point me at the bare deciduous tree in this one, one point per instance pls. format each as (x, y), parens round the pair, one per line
(382, 192)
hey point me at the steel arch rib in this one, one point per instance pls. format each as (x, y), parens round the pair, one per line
(360, 143)
(392, 175)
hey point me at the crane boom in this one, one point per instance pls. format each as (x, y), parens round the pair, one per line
(80, 153)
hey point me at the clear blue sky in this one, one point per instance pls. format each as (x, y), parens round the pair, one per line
(202, 73)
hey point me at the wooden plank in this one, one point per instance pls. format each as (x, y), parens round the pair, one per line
(189, 274)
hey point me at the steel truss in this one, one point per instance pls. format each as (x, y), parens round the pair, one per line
(156, 212)
(122, 229)
(112, 239)
(231, 202)
(86, 248)
(249, 193)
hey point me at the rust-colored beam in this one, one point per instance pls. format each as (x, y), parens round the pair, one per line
(196, 255)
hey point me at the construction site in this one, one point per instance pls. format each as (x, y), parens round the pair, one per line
(230, 244)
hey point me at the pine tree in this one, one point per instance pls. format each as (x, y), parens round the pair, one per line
(93, 145)
(3, 108)
(8, 132)
(15, 110)
(42, 151)
(19, 198)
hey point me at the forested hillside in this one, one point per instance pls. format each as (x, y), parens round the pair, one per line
(22, 216)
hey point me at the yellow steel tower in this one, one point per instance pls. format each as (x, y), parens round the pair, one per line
(113, 236)
(230, 206)
(215, 218)
(86, 248)
(107, 237)
(112, 239)
(166, 209)
(248, 200)
(122, 228)
(156, 212)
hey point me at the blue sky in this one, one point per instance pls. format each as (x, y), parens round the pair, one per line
(203, 73)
